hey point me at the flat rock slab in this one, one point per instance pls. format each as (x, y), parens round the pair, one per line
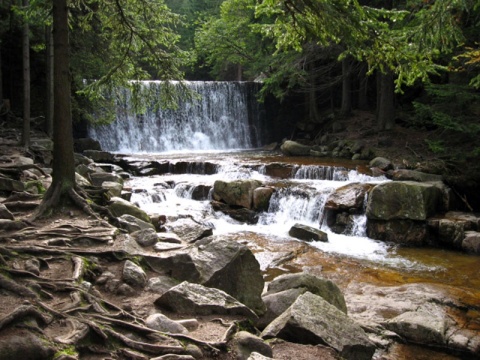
(194, 299)
(312, 320)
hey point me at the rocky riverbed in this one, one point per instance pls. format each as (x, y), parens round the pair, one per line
(151, 287)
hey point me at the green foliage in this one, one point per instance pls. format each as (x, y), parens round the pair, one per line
(114, 42)
(452, 111)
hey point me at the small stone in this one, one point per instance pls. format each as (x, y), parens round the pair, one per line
(134, 274)
(162, 323)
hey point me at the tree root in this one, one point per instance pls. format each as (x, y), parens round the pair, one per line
(146, 347)
(18, 289)
(79, 268)
(77, 332)
(24, 311)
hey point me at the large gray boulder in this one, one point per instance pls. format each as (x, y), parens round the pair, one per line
(189, 230)
(219, 263)
(294, 148)
(131, 223)
(403, 200)
(312, 320)
(195, 299)
(307, 233)
(324, 288)
(351, 196)
(404, 232)
(119, 207)
(237, 192)
(276, 304)
(423, 327)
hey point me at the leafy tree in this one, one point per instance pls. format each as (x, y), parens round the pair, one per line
(138, 39)
(403, 44)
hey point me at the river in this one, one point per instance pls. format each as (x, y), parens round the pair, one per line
(200, 137)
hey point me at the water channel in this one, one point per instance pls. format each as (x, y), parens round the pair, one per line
(225, 151)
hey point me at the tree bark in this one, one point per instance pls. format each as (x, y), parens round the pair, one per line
(49, 80)
(26, 79)
(63, 169)
(386, 102)
(1, 77)
(363, 87)
(346, 108)
(63, 159)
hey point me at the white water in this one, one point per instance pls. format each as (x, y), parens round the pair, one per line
(224, 116)
(296, 201)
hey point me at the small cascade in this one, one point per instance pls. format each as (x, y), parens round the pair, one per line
(319, 172)
(296, 204)
(224, 116)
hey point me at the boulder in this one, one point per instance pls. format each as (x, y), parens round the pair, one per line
(163, 323)
(276, 304)
(381, 163)
(261, 198)
(145, 237)
(312, 320)
(195, 299)
(81, 180)
(307, 233)
(451, 230)
(161, 284)
(403, 232)
(247, 343)
(424, 327)
(278, 170)
(132, 223)
(242, 215)
(293, 148)
(119, 207)
(237, 192)
(114, 188)
(134, 274)
(99, 156)
(324, 288)
(234, 269)
(5, 213)
(7, 184)
(351, 196)
(201, 192)
(189, 230)
(403, 200)
(471, 242)
(98, 178)
(82, 144)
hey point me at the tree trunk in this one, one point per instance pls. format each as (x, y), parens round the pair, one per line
(1, 77)
(346, 108)
(63, 174)
(386, 102)
(363, 87)
(49, 80)
(26, 80)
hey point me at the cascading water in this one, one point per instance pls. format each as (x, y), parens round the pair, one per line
(224, 116)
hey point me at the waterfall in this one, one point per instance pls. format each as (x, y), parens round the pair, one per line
(224, 116)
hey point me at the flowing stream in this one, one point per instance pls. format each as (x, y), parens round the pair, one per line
(202, 135)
